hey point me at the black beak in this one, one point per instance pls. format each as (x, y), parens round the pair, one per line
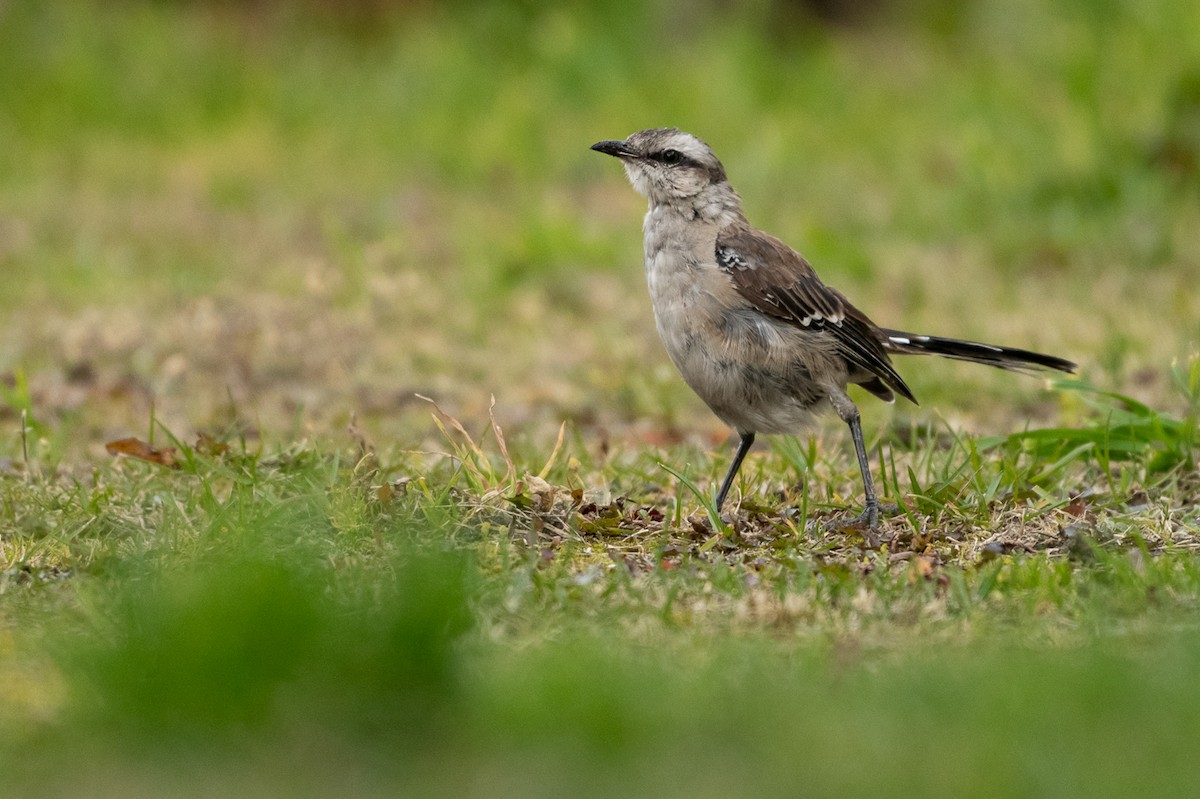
(613, 147)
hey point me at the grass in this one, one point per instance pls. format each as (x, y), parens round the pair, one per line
(286, 605)
(256, 239)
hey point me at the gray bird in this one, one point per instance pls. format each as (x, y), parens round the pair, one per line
(748, 322)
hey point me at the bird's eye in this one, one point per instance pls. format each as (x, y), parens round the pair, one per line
(670, 157)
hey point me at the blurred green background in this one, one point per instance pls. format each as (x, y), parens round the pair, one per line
(261, 220)
(297, 210)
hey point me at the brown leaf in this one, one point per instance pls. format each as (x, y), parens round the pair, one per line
(1077, 507)
(136, 448)
(700, 524)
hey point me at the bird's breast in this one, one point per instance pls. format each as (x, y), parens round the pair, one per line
(754, 372)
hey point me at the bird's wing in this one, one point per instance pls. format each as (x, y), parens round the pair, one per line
(778, 282)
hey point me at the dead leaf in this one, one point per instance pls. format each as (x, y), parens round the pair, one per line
(533, 492)
(136, 448)
(541, 492)
(1077, 508)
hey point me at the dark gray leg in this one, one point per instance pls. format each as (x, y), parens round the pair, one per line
(870, 513)
(747, 441)
(849, 413)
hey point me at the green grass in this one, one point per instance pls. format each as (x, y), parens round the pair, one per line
(281, 607)
(260, 236)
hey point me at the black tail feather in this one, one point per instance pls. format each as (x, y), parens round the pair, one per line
(1010, 358)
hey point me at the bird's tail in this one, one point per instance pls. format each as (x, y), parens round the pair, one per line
(1015, 360)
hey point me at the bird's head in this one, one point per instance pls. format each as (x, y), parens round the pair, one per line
(669, 167)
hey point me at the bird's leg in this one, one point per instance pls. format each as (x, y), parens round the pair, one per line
(870, 515)
(744, 444)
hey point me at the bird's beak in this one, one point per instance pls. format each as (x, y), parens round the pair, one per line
(612, 147)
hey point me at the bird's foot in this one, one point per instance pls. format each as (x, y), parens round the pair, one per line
(867, 521)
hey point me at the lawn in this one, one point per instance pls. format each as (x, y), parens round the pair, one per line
(416, 502)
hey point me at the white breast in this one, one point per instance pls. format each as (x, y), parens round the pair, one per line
(742, 364)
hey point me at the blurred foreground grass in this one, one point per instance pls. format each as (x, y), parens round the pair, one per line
(262, 229)
(303, 637)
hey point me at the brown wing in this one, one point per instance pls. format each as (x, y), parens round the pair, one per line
(778, 282)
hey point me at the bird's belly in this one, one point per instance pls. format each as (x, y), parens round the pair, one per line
(745, 367)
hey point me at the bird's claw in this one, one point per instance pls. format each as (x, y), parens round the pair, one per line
(867, 521)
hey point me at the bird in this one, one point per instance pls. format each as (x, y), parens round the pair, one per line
(751, 327)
